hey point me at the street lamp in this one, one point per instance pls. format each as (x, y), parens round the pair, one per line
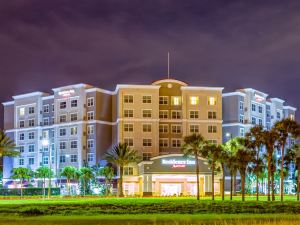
(45, 143)
(228, 135)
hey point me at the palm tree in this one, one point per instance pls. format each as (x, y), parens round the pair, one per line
(223, 158)
(214, 154)
(22, 174)
(7, 145)
(86, 176)
(121, 155)
(258, 167)
(43, 172)
(269, 139)
(244, 156)
(195, 145)
(108, 173)
(255, 136)
(285, 128)
(69, 173)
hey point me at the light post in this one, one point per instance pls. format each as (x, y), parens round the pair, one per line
(45, 143)
(228, 136)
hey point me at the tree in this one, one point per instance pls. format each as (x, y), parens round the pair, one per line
(86, 175)
(7, 146)
(223, 158)
(269, 139)
(108, 173)
(258, 168)
(285, 128)
(22, 174)
(43, 172)
(69, 173)
(214, 154)
(121, 155)
(195, 145)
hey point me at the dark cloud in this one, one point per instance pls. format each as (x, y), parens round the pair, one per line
(235, 44)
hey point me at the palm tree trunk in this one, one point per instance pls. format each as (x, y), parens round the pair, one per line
(298, 186)
(106, 188)
(69, 188)
(44, 187)
(257, 187)
(21, 188)
(234, 183)
(231, 185)
(269, 176)
(83, 180)
(197, 176)
(223, 183)
(243, 185)
(121, 194)
(213, 180)
(282, 173)
(273, 187)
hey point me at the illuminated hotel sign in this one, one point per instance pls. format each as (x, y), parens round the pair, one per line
(259, 98)
(178, 163)
(66, 93)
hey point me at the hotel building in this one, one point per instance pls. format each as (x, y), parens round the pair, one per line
(77, 124)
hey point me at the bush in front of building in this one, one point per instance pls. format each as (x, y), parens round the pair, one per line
(27, 191)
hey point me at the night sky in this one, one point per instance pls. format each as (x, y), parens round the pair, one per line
(234, 44)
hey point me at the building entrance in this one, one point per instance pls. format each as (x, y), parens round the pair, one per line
(170, 189)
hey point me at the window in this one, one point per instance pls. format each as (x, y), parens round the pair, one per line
(147, 142)
(45, 149)
(146, 127)
(260, 122)
(63, 105)
(21, 162)
(163, 100)
(46, 108)
(22, 111)
(212, 129)
(73, 158)
(31, 110)
(253, 120)
(176, 114)
(278, 115)
(21, 123)
(46, 121)
(45, 160)
(90, 129)
(31, 135)
(176, 129)
(21, 136)
(21, 149)
(128, 98)
(128, 170)
(194, 128)
(176, 143)
(74, 103)
(163, 143)
(90, 143)
(53, 108)
(146, 156)
(62, 145)
(62, 132)
(30, 148)
(90, 157)
(176, 100)
(73, 116)
(128, 127)
(146, 99)
(90, 102)
(194, 114)
(242, 132)
(31, 123)
(45, 134)
(292, 116)
(31, 161)
(146, 113)
(73, 130)
(74, 144)
(128, 141)
(260, 109)
(253, 107)
(241, 105)
(194, 100)
(163, 128)
(62, 118)
(212, 101)
(241, 118)
(128, 113)
(90, 115)
(163, 114)
(213, 142)
(62, 159)
(52, 120)
(212, 115)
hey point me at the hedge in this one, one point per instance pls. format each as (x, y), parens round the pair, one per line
(27, 191)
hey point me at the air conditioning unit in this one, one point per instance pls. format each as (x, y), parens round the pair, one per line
(246, 109)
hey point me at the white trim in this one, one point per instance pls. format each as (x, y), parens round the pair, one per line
(194, 88)
(100, 90)
(290, 108)
(238, 93)
(132, 86)
(169, 81)
(81, 85)
(236, 124)
(277, 100)
(254, 90)
(8, 103)
(48, 97)
(32, 94)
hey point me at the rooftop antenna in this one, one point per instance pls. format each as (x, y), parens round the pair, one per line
(168, 65)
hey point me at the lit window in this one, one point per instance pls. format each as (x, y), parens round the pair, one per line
(147, 142)
(212, 115)
(90, 129)
(146, 127)
(90, 102)
(176, 114)
(128, 98)
(194, 100)
(73, 130)
(176, 129)
(176, 100)
(163, 114)
(163, 143)
(194, 114)
(128, 171)
(212, 101)
(128, 113)
(73, 116)
(163, 100)
(90, 115)
(45, 134)
(73, 158)
(146, 113)
(146, 99)
(292, 116)
(128, 141)
(128, 127)
(212, 129)
(22, 111)
(194, 128)
(163, 128)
